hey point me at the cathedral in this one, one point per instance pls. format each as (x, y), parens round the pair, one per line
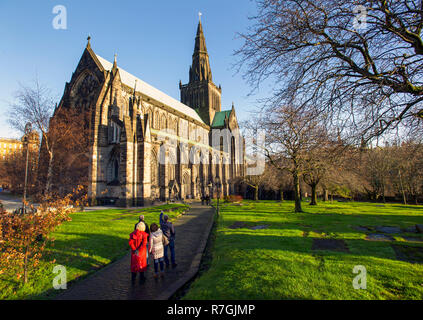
(145, 145)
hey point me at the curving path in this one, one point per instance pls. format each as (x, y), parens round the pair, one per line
(114, 281)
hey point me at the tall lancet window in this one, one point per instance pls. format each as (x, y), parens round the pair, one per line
(114, 132)
(113, 171)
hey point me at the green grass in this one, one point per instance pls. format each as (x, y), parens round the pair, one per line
(87, 243)
(279, 263)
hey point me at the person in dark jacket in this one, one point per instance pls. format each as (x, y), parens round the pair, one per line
(169, 232)
(141, 219)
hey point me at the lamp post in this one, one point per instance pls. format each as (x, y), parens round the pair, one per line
(218, 185)
(210, 185)
(28, 129)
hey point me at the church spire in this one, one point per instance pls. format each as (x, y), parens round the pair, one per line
(200, 69)
(200, 40)
(200, 93)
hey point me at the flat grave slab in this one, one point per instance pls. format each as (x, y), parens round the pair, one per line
(329, 244)
(238, 225)
(408, 253)
(379, 237)
(411, 229)
(387, 229)
(259, 227)
(413, 239)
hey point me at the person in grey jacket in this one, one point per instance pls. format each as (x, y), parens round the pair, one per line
(156, 249)
(169, 232)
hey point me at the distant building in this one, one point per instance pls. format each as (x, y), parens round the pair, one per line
(12, 150)
(9, 148)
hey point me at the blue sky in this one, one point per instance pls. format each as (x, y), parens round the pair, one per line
(154, 40)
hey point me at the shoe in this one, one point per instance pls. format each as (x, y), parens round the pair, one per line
(142, 277)
(174, 265)
(133, 278)
(156, 276)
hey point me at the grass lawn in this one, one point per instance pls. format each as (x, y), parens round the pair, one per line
(87, 243)
(279, 262)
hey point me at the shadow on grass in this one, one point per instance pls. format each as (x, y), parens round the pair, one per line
(356, 247)
(78, 258)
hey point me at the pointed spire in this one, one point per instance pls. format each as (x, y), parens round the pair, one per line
(88, 42)
(200, 40)
(200, 70)
(115, 61)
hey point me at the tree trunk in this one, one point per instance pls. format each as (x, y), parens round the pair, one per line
(383, 194)
(297, 192)
(25, 277)
(256, 193)
(404, 198)
(49, 174)
(281, 192)
(325, 195)
(313, 195)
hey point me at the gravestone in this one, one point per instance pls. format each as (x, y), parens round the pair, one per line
(388, 229)
(329, 244)
(379, 237)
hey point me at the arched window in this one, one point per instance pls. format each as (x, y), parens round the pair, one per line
(114, 132)
(116, 170)
(175, 126)
(232, 160)
(150, 118)
(154, 167)
(163, 122)
(113, 171)
(156, 120)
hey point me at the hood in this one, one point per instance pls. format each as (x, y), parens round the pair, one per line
(157, 233)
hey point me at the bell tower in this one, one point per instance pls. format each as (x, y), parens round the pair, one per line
(201, 93)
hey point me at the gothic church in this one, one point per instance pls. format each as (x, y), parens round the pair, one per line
(146, 145)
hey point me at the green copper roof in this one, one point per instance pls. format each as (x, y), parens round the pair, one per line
(219, 118)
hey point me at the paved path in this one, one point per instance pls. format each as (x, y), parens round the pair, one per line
(114, 281)
(10, 202)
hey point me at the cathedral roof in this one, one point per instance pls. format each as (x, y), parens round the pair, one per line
(148, 90)
(219, 118)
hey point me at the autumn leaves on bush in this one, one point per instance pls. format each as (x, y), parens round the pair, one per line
(25, 236)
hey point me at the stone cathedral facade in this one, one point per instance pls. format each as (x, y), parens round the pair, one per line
(146, 145)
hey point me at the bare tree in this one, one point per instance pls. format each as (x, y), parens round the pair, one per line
(407, 170)
(318, 161)
(360, 62)
(63, 135)
(255, 182)
(35, 105)
(277, 180)
(291, 137)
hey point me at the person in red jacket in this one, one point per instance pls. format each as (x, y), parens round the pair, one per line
(138, 243)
